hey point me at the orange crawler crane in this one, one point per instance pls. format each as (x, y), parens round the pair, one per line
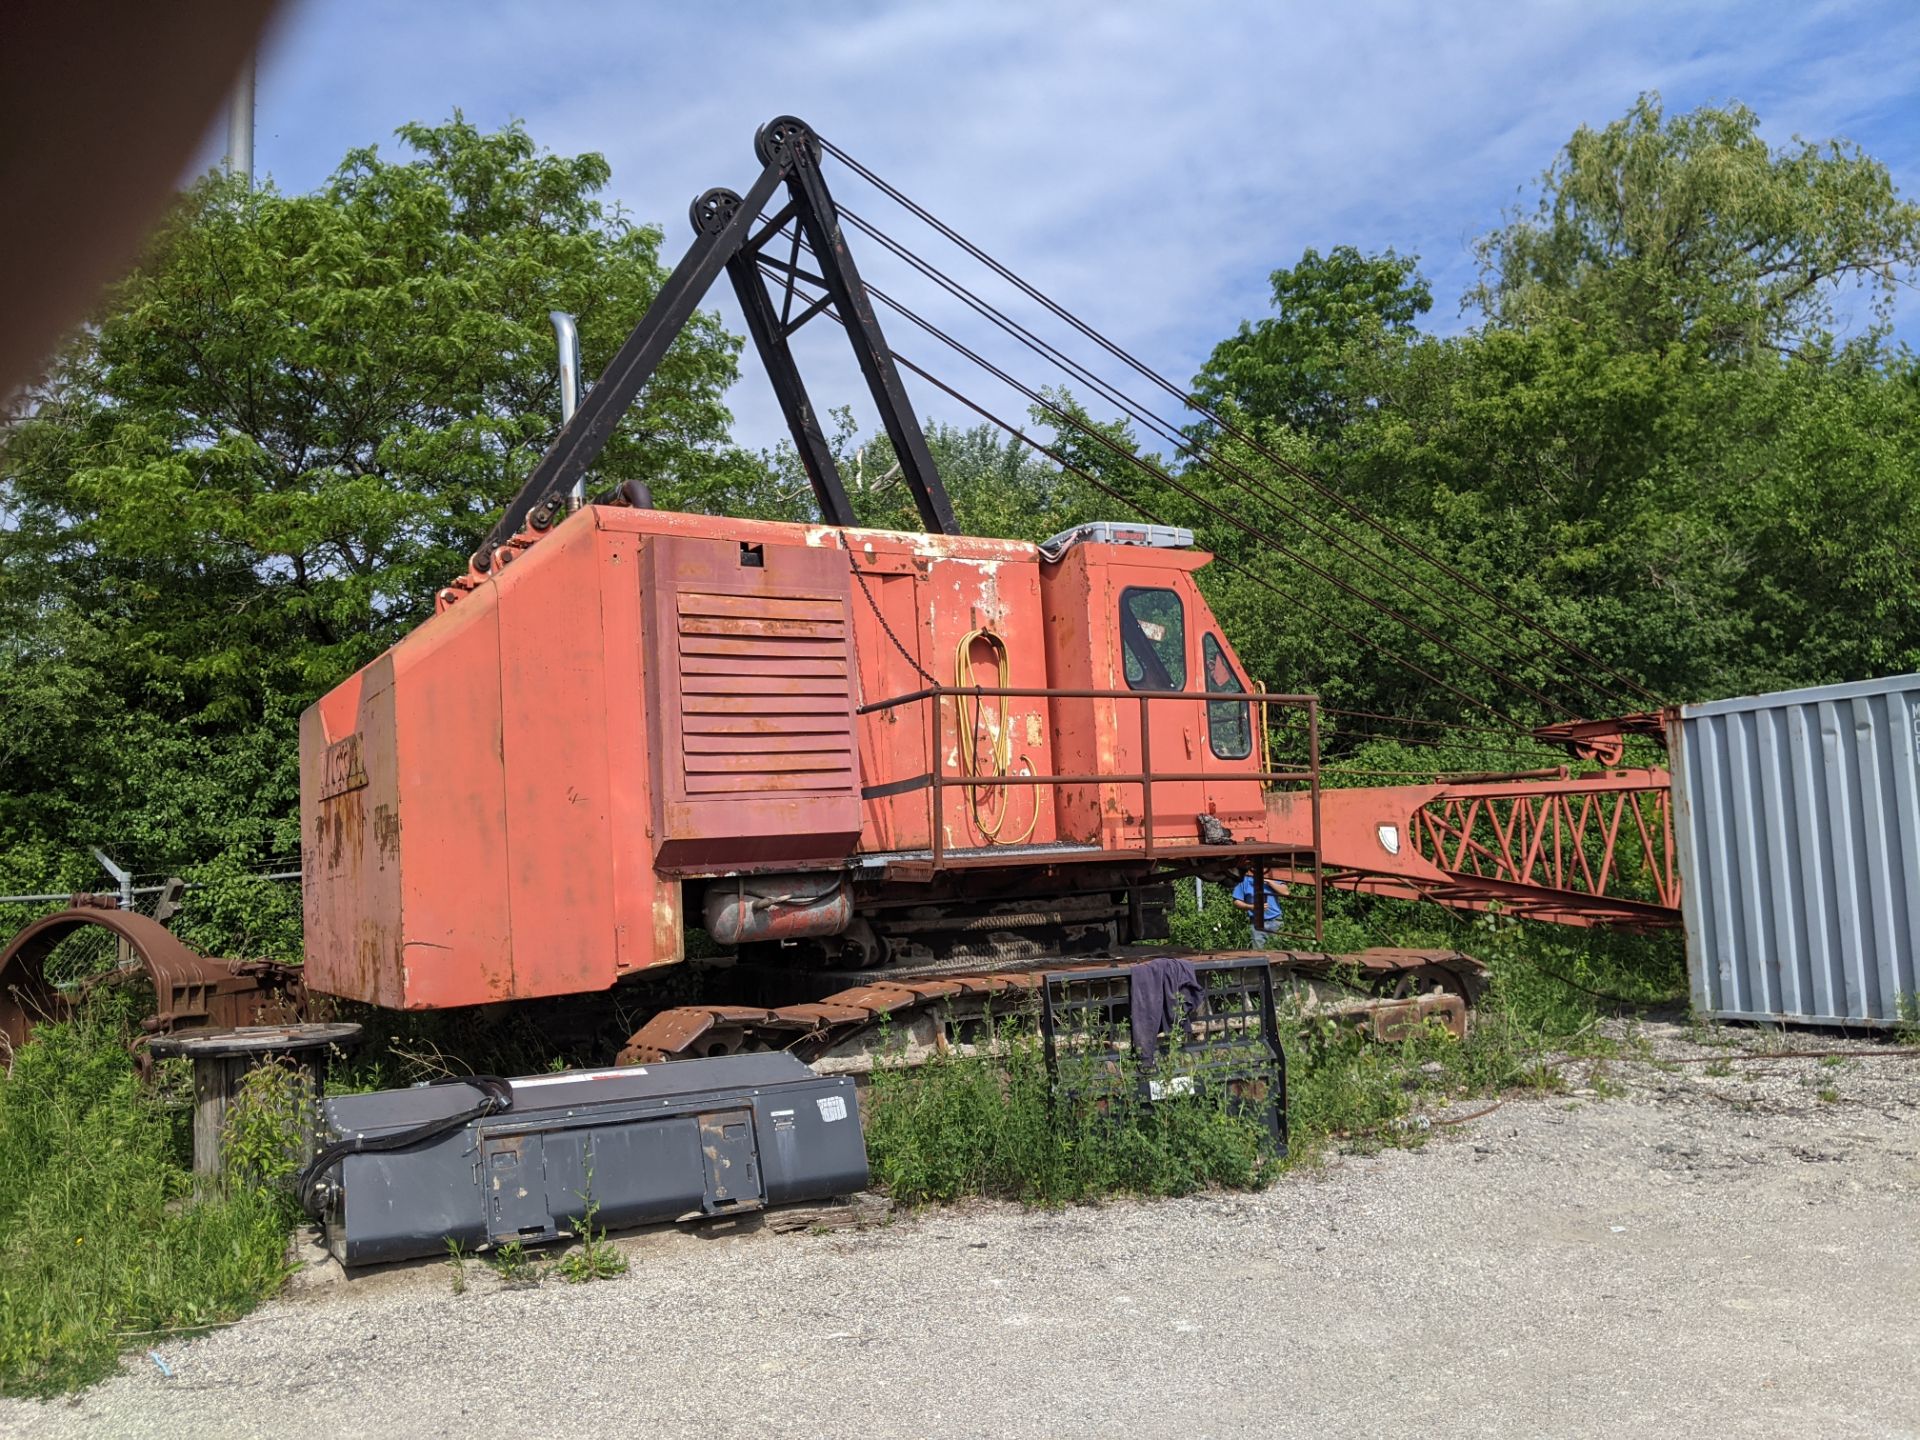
(938, 760)
(893, 775)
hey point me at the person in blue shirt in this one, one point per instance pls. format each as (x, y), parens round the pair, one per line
(1266, 927)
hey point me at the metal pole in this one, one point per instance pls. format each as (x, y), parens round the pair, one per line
(567, 335)
(240, 124)
(1146, 776)
(122, 878)
(937, 765)
(125, 881)
(1319, 874)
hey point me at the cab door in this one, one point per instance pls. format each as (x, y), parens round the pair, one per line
(1153, 611)
(1232, 735)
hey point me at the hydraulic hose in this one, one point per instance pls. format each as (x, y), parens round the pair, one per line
(988, 817)
(496, 1097)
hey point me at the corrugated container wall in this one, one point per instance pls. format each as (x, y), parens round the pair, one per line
(1797, 822)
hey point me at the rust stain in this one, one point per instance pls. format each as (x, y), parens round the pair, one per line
(386, 832)
(342, 768)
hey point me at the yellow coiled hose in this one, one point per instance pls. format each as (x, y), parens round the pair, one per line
(990, 812)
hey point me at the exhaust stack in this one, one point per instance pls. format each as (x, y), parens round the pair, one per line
(567, 334)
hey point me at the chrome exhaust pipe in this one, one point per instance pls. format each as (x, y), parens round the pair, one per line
(567, 334)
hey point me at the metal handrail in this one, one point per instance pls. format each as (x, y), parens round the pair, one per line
(1046, 692)
(936, 779)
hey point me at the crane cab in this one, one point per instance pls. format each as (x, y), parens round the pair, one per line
(1125, 615)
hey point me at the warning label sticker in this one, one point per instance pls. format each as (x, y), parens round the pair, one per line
(832, 1107)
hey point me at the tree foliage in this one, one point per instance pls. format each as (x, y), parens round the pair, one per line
(1291, 367)
(1653, 443)
(1691, 229)
(280, 434)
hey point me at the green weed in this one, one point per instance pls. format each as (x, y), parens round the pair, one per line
(1906, 1029)
(102, 1241)
(517, 1269)
(595, 1258)
(264, 1142)
(457, 1262)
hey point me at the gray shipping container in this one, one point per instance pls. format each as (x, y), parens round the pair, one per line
(1797, 827)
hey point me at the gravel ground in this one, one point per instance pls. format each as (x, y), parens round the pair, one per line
(1706, 1253)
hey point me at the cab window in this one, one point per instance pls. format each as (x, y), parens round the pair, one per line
(1229, 722)
(1153, 639)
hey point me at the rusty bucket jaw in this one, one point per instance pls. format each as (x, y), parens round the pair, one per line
(189, 988)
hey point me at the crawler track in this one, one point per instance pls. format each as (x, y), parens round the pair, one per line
(916, 1016)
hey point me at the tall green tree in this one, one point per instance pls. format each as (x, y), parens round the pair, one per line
(296, 417)
(1690, 228)
(292, 422)
(1291, 367)
(1653, 442)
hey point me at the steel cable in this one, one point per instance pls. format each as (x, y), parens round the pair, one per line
(1210, 458)
(1253, 532)
(1193, 403)
(1106, 441)
(1042, 448)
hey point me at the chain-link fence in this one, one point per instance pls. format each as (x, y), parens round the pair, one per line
(89, 950)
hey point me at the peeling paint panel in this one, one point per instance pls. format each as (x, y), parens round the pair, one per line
(931, 593)
(553, 730)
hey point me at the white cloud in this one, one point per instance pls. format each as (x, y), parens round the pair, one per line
(1146, 164)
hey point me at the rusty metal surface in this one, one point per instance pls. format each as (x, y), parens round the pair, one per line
(189, 988)
(1389, 1021)
(222, 1042)
(777, 907)
(1592, 850)
(493, 841)
(917, 600)
(505, 804)
(1604, 741)
(1450, 980)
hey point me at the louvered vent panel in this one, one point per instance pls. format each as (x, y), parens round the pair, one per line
(765, 697)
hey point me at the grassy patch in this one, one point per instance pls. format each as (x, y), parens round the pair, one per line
(977, 1126)
(102, 1244)
(968, 1126)
(104, 1247)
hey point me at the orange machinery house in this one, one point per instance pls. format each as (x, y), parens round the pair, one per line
(647, 708)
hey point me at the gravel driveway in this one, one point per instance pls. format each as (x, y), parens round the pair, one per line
(1724, 1254)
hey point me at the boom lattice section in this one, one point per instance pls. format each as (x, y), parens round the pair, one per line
(1595, 850)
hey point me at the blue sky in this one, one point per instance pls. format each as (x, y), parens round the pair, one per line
(1147, 165)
